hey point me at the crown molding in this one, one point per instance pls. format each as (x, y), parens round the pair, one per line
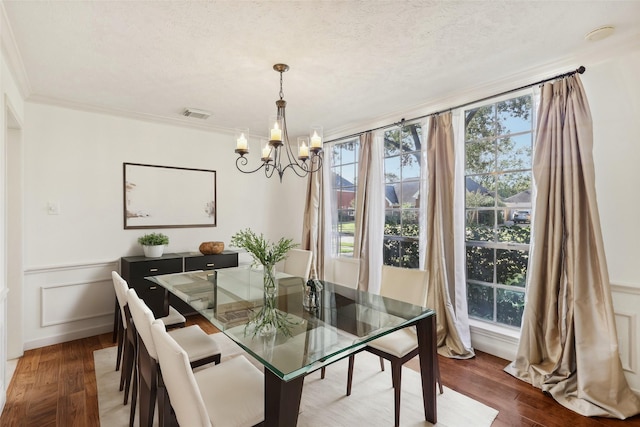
(11, 53)
(154, 118)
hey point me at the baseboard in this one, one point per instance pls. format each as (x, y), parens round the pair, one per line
(75, 335)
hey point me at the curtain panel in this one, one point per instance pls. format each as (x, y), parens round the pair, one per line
(568, 345)
(439, 254)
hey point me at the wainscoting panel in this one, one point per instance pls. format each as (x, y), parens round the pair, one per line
(67, 302)
(626, 300)
(71, 302)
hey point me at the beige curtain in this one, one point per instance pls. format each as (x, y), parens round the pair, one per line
(568, 345)
(361, 247)
(313, 223)
(439, 252)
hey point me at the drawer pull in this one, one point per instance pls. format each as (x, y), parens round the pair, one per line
(210, 264)
(153, 288)
(153, 270)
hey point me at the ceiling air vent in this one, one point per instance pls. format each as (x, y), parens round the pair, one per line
(196, 114)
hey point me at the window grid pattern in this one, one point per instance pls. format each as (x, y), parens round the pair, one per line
(402, 162)
(498, 159)
(344, 181)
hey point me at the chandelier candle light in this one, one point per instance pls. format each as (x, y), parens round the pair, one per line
(277, 154)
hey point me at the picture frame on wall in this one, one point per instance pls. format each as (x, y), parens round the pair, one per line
(168, 196)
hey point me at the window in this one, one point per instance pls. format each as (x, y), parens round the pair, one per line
(402, 154)
(344, 174)
(498, 150)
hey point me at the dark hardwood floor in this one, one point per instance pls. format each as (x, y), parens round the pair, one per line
(56, 386)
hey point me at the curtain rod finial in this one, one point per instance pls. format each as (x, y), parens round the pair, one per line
(581, 69)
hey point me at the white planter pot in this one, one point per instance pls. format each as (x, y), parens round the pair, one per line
(153, 251)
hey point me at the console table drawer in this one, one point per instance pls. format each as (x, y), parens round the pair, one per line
(210, 262)
(155, 267)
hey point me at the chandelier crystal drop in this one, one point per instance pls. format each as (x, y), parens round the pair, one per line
(276, 153)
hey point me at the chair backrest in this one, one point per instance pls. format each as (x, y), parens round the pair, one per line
(404, 284)
(121, 287)
(178, 377)
(142, 319)
(344, 271)
(298, 263)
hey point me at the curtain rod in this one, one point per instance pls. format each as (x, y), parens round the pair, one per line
(580, 70)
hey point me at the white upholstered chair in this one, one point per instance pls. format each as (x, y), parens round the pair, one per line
(126, 338)
(297, 263)
(408, 285)
(344, 271)
(201, 349)
(228, 394)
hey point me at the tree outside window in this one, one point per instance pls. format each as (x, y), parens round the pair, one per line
(402, 154)
(498, 158)
(344, 174)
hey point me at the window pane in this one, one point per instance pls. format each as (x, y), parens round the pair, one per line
(514, 152)
(392, 224)
(392, 142)
(346, 245)
(480, 301)
(480, 191)
(410, 165)
(480, 122)
(514, 115)
(515, 187)
(392, 169)
(410, 225)
(480, 263)
(391, 252)
(510, 307)
(511, 267)
(409, 251)
(348, 174)
(480, 157)
(348, 152)
(480, 225)
(518, 233)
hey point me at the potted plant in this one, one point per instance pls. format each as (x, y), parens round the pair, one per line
(153, 244)
(269, 319)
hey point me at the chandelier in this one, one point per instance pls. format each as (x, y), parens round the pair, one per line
(277, 153)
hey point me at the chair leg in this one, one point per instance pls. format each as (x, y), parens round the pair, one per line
(396, 375)
(116, 320)
(127, 367)
(134, 395)
(352, 359)
(381, 364)
(120, 339)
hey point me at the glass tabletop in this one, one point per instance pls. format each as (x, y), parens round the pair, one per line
(344, 322)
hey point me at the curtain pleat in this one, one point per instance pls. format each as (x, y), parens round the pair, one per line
(440, 237)
(568, 345)
(313, 223)
(369, 207)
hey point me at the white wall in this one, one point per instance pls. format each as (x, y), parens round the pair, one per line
(75, 158)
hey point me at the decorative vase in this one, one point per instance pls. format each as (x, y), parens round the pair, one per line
(269, 313)
(154, 251)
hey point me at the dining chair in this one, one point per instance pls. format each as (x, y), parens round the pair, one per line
(298, 263)
(126, 338)
(229, 394)
(200, 347)
(408, 285)
(344, 271)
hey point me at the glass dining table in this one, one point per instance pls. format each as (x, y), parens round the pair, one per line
(340, 324)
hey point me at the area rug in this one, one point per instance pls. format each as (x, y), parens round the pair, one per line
(323, 401)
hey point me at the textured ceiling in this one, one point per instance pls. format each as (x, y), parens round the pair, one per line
(352, 62)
